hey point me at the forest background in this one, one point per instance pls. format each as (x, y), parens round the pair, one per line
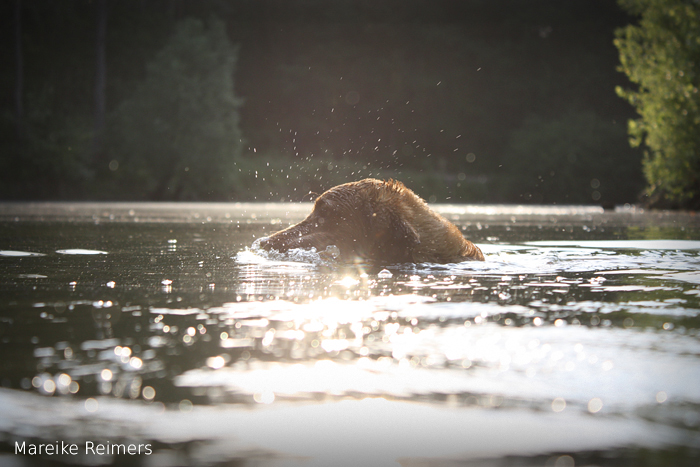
(473, 101)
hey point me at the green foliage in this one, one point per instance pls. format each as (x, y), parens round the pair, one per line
(577, 159)
(405, 89)
(661, 56)
(177, 136)
(49, 160)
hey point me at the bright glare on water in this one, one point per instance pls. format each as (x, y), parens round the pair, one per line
(577, 341)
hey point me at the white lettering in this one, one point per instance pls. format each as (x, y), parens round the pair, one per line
(99, 449)
(119, 448)
(67, 449)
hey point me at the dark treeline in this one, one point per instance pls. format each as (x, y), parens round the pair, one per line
(465, 101)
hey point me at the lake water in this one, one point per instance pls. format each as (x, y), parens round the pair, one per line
(159, 327)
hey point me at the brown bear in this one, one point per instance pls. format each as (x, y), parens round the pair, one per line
(376, 221)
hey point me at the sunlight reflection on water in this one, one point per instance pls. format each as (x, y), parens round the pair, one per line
(568, 338)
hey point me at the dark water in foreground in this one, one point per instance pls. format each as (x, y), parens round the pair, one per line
(577, 342)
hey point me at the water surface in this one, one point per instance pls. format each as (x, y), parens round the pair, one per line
(575, 343)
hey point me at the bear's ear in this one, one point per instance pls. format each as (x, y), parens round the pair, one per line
(401, 230)
(391, 235)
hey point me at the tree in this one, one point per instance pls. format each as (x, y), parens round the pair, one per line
(19, 73)
(578, 158)
(661, 56)
(178, 136)
(100, 73)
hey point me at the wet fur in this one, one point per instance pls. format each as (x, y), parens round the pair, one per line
(377, 221)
